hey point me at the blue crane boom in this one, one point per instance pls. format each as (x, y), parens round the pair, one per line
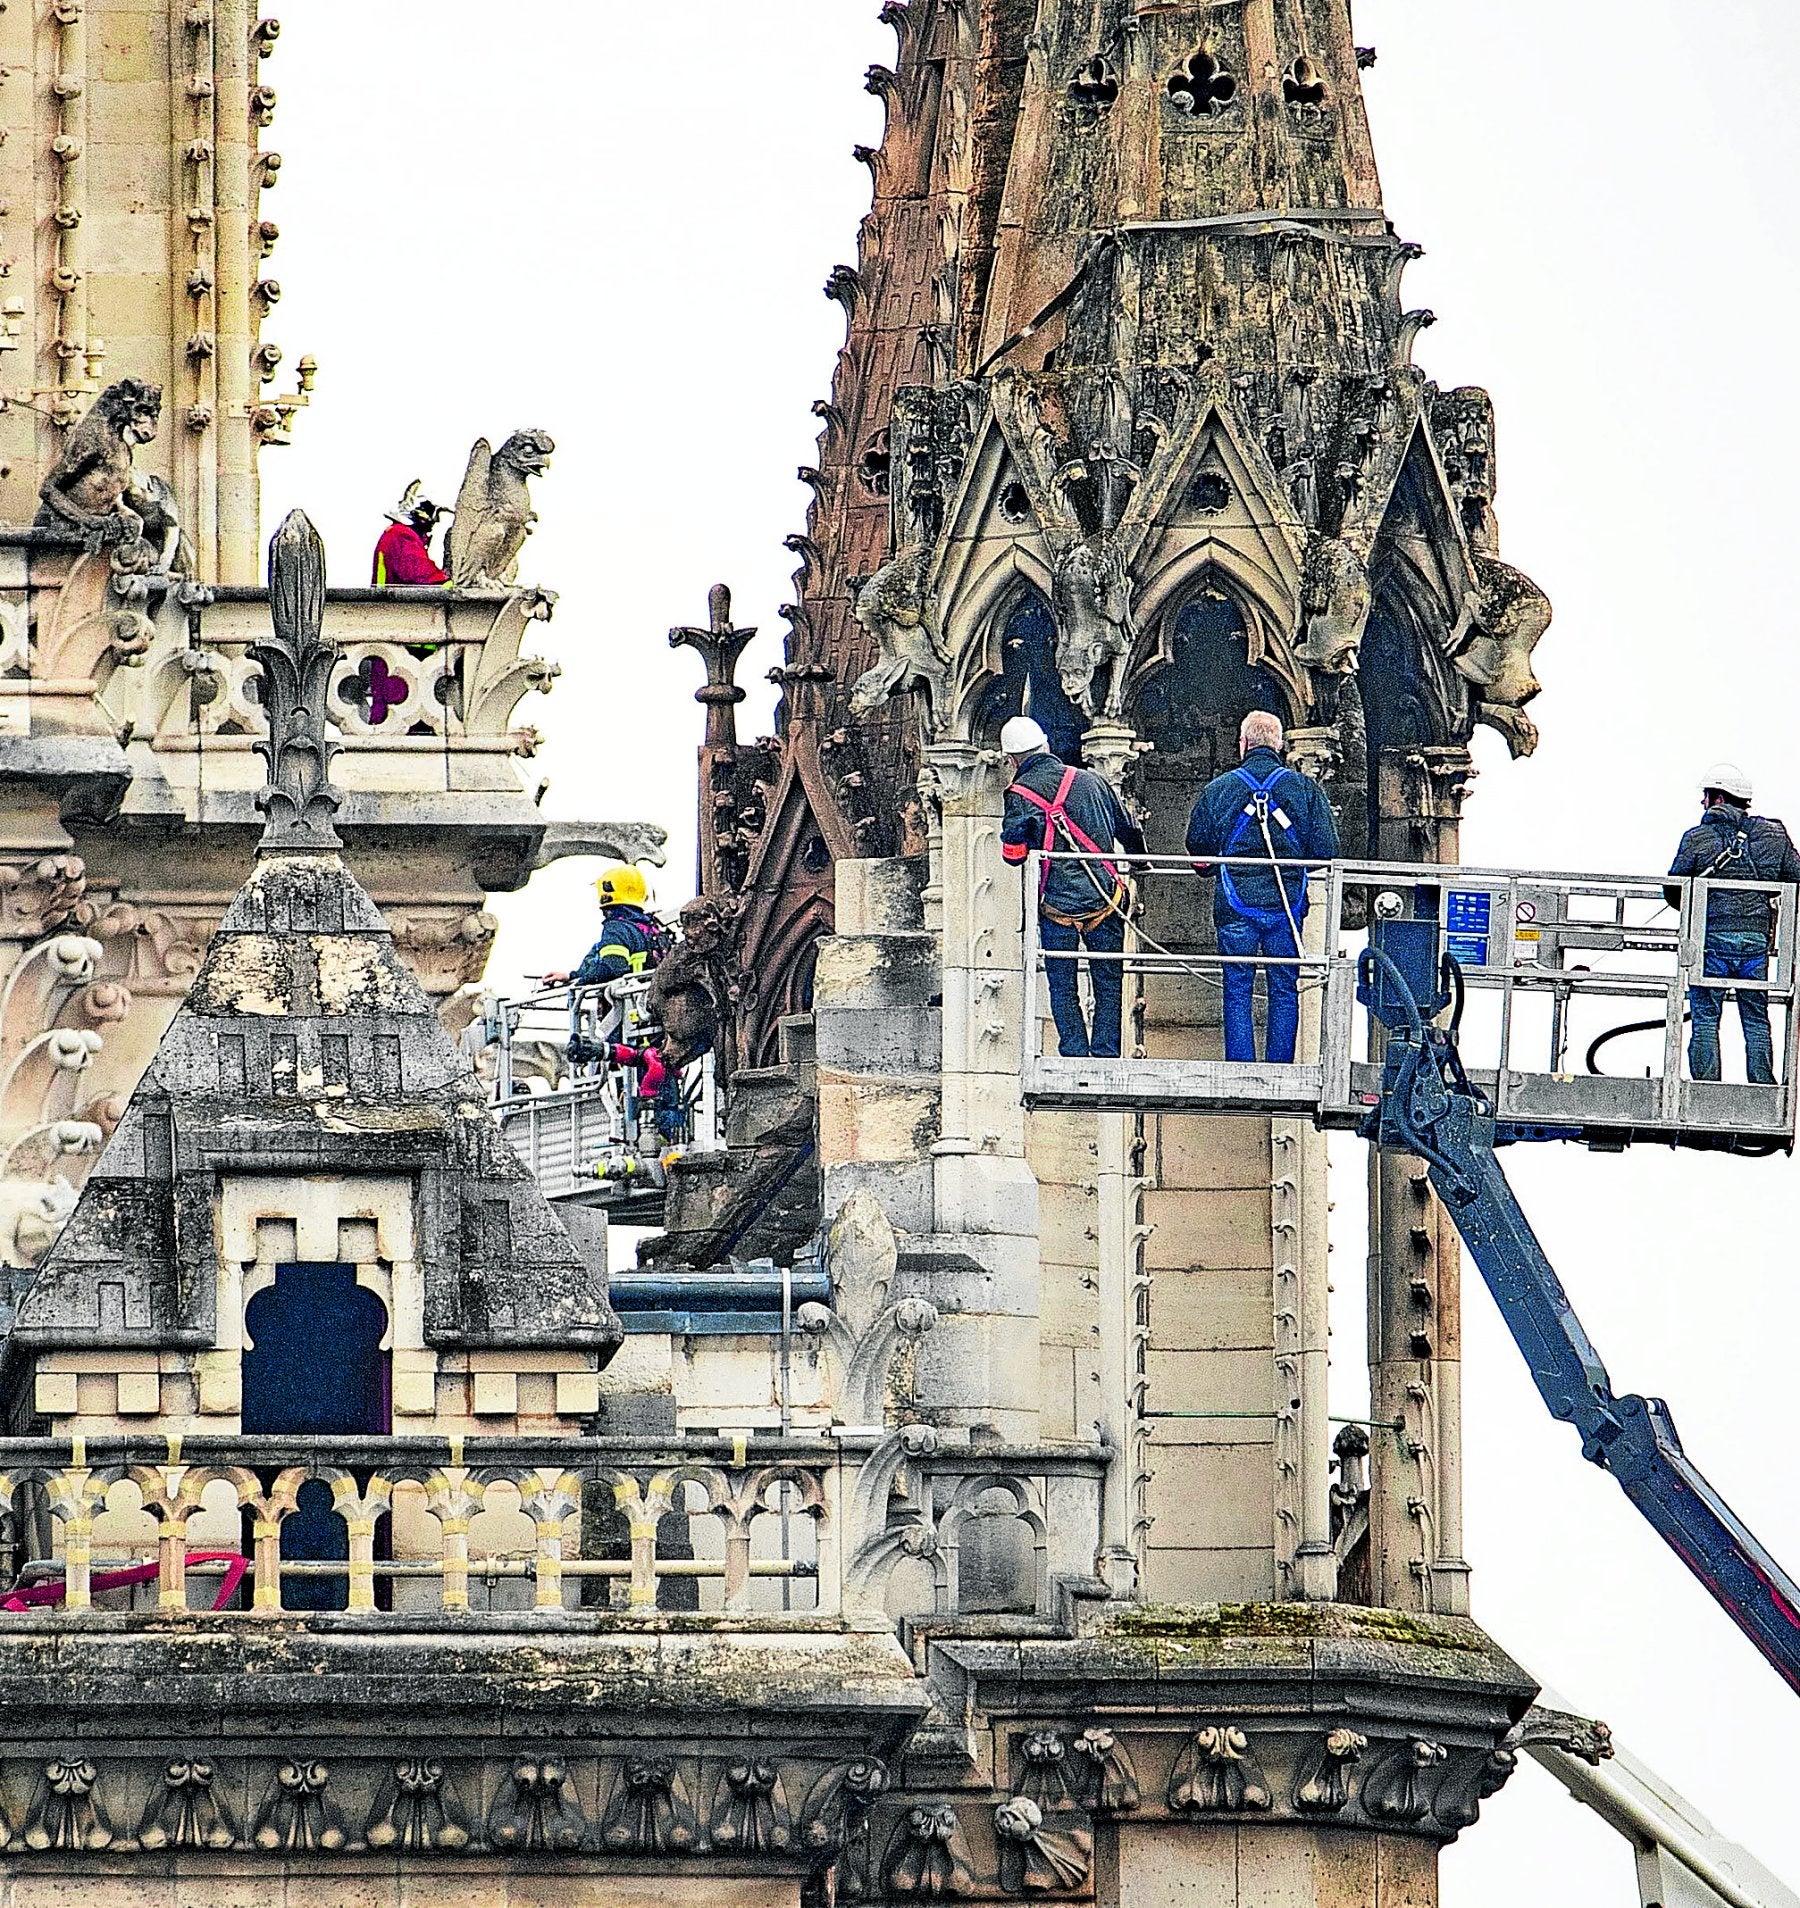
(1429, 1107)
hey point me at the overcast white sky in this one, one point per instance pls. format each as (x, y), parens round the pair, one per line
(615, 222)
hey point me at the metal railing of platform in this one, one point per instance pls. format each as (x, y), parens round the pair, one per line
(1554, 976)
(582, 1120)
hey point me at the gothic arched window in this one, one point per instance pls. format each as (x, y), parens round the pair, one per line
(1209, 684)
(1028, 683)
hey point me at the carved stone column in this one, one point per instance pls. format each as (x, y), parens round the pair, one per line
(1415, 1279)
(982, 1364)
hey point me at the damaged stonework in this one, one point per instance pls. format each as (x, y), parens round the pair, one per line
(306, 1049)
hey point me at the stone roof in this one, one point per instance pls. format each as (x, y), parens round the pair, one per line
(305, 1047)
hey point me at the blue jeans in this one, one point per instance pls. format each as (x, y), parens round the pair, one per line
(1729, 956)
(1106, 937)
(1243, 937)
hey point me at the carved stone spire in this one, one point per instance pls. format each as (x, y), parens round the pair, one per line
(298, 801)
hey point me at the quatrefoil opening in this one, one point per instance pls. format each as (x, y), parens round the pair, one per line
(1202, 88)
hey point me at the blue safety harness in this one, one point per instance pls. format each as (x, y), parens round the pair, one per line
(1264, 818)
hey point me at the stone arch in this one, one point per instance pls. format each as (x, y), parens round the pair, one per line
(1207, 669)
(1410, 698)
(973, 628)
(1026, 681)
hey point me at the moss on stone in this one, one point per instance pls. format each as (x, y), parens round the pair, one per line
(1211, 1622)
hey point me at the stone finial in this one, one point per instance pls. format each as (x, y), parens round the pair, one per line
(298, 802)
(719, 646)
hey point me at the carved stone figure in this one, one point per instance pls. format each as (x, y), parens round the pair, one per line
(650, 1813)
(296, 1812)
(696, 987)
(88, 485)
(188, 1809)
(1109, 1782)
(1399, 1790)
(493, 509)
(1323, 1787)
(1511, 621)
(1090, 595)
(163, 535)
(894, 606)
(1335, 600)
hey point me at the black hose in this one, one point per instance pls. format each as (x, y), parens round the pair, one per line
(1618, 1033)
(1457, 988)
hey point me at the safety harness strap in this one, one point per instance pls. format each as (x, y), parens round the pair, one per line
(1257, 813)
(1055, 817)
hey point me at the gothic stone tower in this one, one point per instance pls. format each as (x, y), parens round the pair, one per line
(1127, 421)
(1128, 434)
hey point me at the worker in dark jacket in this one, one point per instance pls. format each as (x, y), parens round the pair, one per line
(1731, 844)
(403, 556)
(631, 940)
(1071, 811)
(1264, 808)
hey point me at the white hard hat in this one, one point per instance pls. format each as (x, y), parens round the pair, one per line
(1022, 736)
(1730, 780)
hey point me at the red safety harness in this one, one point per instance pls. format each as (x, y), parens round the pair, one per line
(1055, 817)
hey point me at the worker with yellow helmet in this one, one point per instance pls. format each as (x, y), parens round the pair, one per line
(632, 940)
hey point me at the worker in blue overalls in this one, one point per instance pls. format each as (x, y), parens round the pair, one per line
(1728, 843)
(1072, 811)
(1265, 809)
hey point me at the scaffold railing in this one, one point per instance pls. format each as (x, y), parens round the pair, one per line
(1570, 994)
(576, 1092)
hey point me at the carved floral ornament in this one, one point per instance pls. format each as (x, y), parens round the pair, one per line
(844, 1821)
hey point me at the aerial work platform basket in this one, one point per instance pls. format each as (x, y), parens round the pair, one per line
(1570, 995)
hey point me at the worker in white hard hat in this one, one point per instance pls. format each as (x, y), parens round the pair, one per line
(1729, 843)
(632, 940)
(1072, 811)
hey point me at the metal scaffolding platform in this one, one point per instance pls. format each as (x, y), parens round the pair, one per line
(1553, 976)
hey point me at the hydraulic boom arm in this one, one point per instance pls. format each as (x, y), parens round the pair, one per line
(1430, 1108)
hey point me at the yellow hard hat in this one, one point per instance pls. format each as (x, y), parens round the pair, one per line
(622, 884)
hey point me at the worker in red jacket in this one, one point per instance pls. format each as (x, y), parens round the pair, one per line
(403, 556)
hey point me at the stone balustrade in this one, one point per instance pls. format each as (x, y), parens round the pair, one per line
(447, 1527)
(88, 651)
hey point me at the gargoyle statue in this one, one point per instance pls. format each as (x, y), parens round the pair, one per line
(1510, 622)
(90, 485)
(894, 606)
(696, 987)
(1335, 599)
(1090, 594)
(493, 510)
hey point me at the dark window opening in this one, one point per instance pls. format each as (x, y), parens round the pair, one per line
(1015, 504)
(1194, 705)
(315, 1368)
(1202, 88)
(1028, 683)
(1302, 84)
(876, 469)
(1396, 694)
(1096, 85)
(1211, 493)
